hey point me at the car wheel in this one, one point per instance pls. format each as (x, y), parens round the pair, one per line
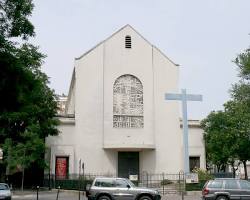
(103, 197)
(221, 198)
(144, 197)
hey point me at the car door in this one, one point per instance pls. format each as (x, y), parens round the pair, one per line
(245, 189)
(123, 192)
(232, 187)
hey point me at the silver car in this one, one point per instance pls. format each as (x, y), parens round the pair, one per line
(226, 189)
(119, 189)
(5, 192)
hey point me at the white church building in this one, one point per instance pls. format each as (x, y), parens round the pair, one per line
(116, 118)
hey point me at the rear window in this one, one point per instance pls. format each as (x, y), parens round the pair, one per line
(215, 184)
(104, 183)
(245, 185)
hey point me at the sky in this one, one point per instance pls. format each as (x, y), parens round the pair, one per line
(202, 36)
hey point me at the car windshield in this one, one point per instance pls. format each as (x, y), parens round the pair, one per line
(130, 183)
(4, 187)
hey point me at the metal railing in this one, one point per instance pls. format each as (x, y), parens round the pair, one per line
(165, 183)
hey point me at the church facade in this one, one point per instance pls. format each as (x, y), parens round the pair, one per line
(116, 118)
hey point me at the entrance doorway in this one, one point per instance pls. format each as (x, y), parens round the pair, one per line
(128, 164)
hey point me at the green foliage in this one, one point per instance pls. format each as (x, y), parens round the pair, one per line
(203, 175)
(227, 132)
(166, 182)
(195, 186)
(28, 105)
(219, 139)
(14, 20)
(243, 62)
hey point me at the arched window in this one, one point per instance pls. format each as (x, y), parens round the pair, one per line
(127, 102)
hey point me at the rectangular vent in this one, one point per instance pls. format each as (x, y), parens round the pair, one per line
(128, 42)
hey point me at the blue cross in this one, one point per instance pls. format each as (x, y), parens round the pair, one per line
(184, 97)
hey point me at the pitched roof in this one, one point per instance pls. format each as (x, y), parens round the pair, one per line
(78, 58)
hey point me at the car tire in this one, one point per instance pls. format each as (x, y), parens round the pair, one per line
(104, 197)
(221, 198)
(144, 197)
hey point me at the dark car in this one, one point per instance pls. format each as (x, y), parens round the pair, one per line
(5, 192)
(119, 189)
(226, 189)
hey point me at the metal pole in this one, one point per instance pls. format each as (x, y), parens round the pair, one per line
(84, 183)
(37, 191)
(58, 193)
(79, 181)
(163, 182)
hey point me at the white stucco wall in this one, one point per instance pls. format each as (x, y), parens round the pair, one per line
(136, 61)
(196, 145)
(63, 144)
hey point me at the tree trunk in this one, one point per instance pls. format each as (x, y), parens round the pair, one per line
(233, 171)
(245, 169)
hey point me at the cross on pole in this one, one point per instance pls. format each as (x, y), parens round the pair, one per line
(184, 97)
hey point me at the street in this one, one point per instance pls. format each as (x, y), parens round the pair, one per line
(74, 195)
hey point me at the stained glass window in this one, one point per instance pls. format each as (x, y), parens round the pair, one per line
(127, 102)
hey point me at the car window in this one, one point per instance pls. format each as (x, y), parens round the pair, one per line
(215, 184)
(231, 184)
(245, 185)
(121, 183)
(4, 187)
(104, 183)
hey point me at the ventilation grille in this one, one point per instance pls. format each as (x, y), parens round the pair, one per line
(128, 42)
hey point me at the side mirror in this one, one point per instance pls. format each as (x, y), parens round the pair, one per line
(128, 186)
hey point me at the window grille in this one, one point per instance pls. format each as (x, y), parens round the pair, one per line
(127, 102)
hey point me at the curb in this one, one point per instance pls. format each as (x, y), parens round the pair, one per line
(69, 191)
(191, 193)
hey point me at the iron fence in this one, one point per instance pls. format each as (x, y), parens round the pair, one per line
(165, 183)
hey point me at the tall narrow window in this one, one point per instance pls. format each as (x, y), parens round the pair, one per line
(194, 162)
(127, 102)
(128, 42)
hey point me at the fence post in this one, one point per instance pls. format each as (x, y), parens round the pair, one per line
(163, 182)
(37, 190)
(147, 178)
(79, 181)
(182, 179)
(58, 193)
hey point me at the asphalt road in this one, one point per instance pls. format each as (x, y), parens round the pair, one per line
(74, 195)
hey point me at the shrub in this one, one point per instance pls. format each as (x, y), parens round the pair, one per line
(203, 174)
(166, 182)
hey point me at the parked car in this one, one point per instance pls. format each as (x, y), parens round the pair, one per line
(226, 189)
(119, 189)
(5, 192)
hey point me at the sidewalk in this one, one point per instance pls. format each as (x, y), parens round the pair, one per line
(73, 195)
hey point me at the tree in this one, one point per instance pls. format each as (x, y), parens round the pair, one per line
(243, 62)
(28, 105)
(240, 107)
(219, 140)
(230, 129)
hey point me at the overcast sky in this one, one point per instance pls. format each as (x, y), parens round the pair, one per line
(203, 36)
